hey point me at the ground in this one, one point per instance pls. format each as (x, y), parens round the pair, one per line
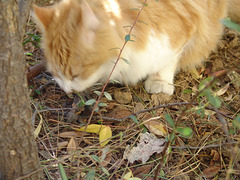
(201, 141)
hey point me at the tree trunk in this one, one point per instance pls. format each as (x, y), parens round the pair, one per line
(18, 151)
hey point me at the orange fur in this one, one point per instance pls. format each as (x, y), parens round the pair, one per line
(79, 36)
(234, 8)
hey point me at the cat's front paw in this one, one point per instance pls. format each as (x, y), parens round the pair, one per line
(155, 87)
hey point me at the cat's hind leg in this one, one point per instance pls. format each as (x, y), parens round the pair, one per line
(161, 81)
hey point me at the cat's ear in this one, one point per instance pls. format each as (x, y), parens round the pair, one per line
(89, 19)
(42, 16)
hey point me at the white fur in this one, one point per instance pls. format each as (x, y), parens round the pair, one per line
(157, 62)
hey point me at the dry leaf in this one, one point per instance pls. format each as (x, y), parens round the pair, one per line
(106, 160)
(215, 155)
(140, 172)
(119, 113)
(105, 135)
(211, 171)
(92, 128)
(122, 97)
(222, 90)
(156, 128)
(219, 73)
(61, 145)
(38, 129)
(70, 134)
(71, 146)
(129, 176)
(147, 146)
(195, 74)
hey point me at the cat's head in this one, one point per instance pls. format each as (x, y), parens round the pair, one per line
(76, 42)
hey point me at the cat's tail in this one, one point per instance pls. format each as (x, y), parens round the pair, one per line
(234, 10)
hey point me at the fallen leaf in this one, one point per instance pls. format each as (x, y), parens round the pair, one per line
(215, 155)
(122, 97)
(70, 134)
(156, 128)
(92, 128)
(222, 90)
(195, 74)
(147, 146)
(71, 146)
(106, 160)
(38, 129)
(61, 145)
(140, 172)
(105, 135)
(219, 73)
(119, 113)
(211, 171)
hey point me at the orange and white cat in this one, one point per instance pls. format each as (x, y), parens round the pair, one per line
(81, 40)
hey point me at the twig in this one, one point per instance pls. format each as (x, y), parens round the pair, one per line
(205, 147)
(45, 110)
(118, 58)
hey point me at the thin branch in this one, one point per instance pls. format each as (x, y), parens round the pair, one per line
(118, 58)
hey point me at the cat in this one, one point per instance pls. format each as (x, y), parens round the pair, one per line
(82, 40)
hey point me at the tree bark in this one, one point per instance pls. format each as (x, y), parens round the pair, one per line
(18, 151)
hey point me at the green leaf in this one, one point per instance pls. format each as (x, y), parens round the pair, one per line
(81, 103)
(187, 132)
(227, 22)
(125, 60)
(213, 100)
(134, 118)
(170, 120)
(102, 104)
(127, 37)
(96, 158)
(91, 175)
(187, 91)
(97, 93)
(204, 83)
(38, 92)
(105, 170)
(90, 102)
(29, 54)
(108, 96)
(62, 172)
(236, 122)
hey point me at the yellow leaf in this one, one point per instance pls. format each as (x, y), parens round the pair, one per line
(156, 128)
(128, 175)
(92, 128)
(105, 133)
(38, 129)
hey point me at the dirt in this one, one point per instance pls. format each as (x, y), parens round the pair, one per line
(212, 149)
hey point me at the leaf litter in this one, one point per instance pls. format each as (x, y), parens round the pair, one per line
(207, 145)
